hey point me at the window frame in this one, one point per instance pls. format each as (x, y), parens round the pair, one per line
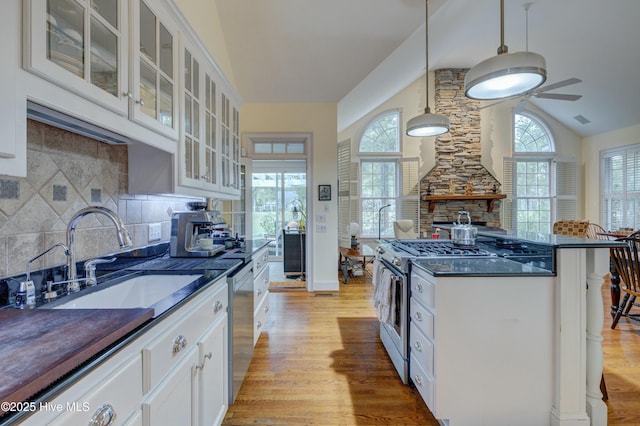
(626, 196)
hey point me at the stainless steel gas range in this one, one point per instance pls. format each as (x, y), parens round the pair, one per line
(396, 256)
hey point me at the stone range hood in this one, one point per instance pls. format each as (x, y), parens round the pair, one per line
(458, 170)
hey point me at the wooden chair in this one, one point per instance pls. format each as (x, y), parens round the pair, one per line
(596, 232)
(573, 228)
(626, 262)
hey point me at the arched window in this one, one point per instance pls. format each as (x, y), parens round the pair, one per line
(530, 135)
(382, 134)
(541, 188)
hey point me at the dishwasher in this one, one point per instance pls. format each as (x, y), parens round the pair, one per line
(240, 326)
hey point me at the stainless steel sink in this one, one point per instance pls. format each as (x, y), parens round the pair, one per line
(140, 291)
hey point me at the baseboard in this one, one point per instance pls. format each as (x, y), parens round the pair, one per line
(325, 285)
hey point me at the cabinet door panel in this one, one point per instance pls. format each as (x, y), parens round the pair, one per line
(213, 378)
(172, 402)
(154, 48)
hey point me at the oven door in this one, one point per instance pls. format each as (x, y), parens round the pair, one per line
(394, 332)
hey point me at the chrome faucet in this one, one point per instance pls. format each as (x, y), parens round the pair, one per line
(123, 238)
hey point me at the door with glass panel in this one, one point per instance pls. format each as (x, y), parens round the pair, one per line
(279, 200)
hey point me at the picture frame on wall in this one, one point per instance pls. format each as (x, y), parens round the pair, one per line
(324, 192)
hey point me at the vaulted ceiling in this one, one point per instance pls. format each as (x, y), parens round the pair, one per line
(320, 51)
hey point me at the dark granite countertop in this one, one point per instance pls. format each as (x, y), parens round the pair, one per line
(478, 267)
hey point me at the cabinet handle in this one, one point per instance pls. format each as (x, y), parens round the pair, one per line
(259, 292)
(417, 346)
(179, 343)
(205, 177)
(127, 95)
(418, 380)
(259, 325)
(104, 416)
(266, 309)
(266, 281)
(418, 316)
(217, 307)
(140, 101)
(419, 287)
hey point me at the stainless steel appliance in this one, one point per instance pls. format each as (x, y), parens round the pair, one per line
(396, 256)
(240, 326)
(193, 233)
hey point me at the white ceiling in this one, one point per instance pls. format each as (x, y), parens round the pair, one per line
(319, 51)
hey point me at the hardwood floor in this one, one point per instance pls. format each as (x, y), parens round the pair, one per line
(320, 362)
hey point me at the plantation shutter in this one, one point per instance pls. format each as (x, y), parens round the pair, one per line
(508, 205)
(344, 191)
(408, 205)
(566, 188)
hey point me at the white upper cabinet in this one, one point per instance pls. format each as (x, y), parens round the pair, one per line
(80, 45)
(230, 146)
(154, 73)
(85, 47)
(198, 147)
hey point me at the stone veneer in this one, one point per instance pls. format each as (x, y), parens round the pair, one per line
(458, 170)
(65, 173)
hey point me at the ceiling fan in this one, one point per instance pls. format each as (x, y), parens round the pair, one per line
(541, 93)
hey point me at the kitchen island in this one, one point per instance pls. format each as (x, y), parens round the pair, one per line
(531, 342)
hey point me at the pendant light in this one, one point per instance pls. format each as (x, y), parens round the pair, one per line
(427, 124)
(507, 74)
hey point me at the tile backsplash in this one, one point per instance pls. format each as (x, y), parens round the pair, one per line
(65, 173)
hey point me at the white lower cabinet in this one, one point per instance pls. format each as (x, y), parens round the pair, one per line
(176, 373)
(172, 401)
(212, 375)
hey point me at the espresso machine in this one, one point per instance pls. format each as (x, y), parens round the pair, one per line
(194, 233)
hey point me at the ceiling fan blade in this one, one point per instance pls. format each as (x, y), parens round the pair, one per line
(558, 96)
(559, 84)
(518, 109)
(494, 103)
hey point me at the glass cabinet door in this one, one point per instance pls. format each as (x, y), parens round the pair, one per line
(82, 46)
(155, 69)
(191, 117)
(211, 128)
(230, 146)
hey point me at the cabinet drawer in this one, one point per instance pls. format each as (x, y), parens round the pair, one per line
(120, 393)
(168, 348)
(260, 287)
(422, 348)
(260, 318)
(424, 382)
(422, 318)
(424, 291)
(260, 260)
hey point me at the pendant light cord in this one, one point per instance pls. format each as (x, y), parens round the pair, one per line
(502, 48)
(427, 110)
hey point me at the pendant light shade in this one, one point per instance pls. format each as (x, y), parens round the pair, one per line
(507, 74)
(427, 124)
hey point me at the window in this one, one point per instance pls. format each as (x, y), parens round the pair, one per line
(377, 178)
(541, 188)
(621, 187)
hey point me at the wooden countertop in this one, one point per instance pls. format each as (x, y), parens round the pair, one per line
(39, 346)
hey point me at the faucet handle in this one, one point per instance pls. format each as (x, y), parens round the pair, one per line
(90, 269)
